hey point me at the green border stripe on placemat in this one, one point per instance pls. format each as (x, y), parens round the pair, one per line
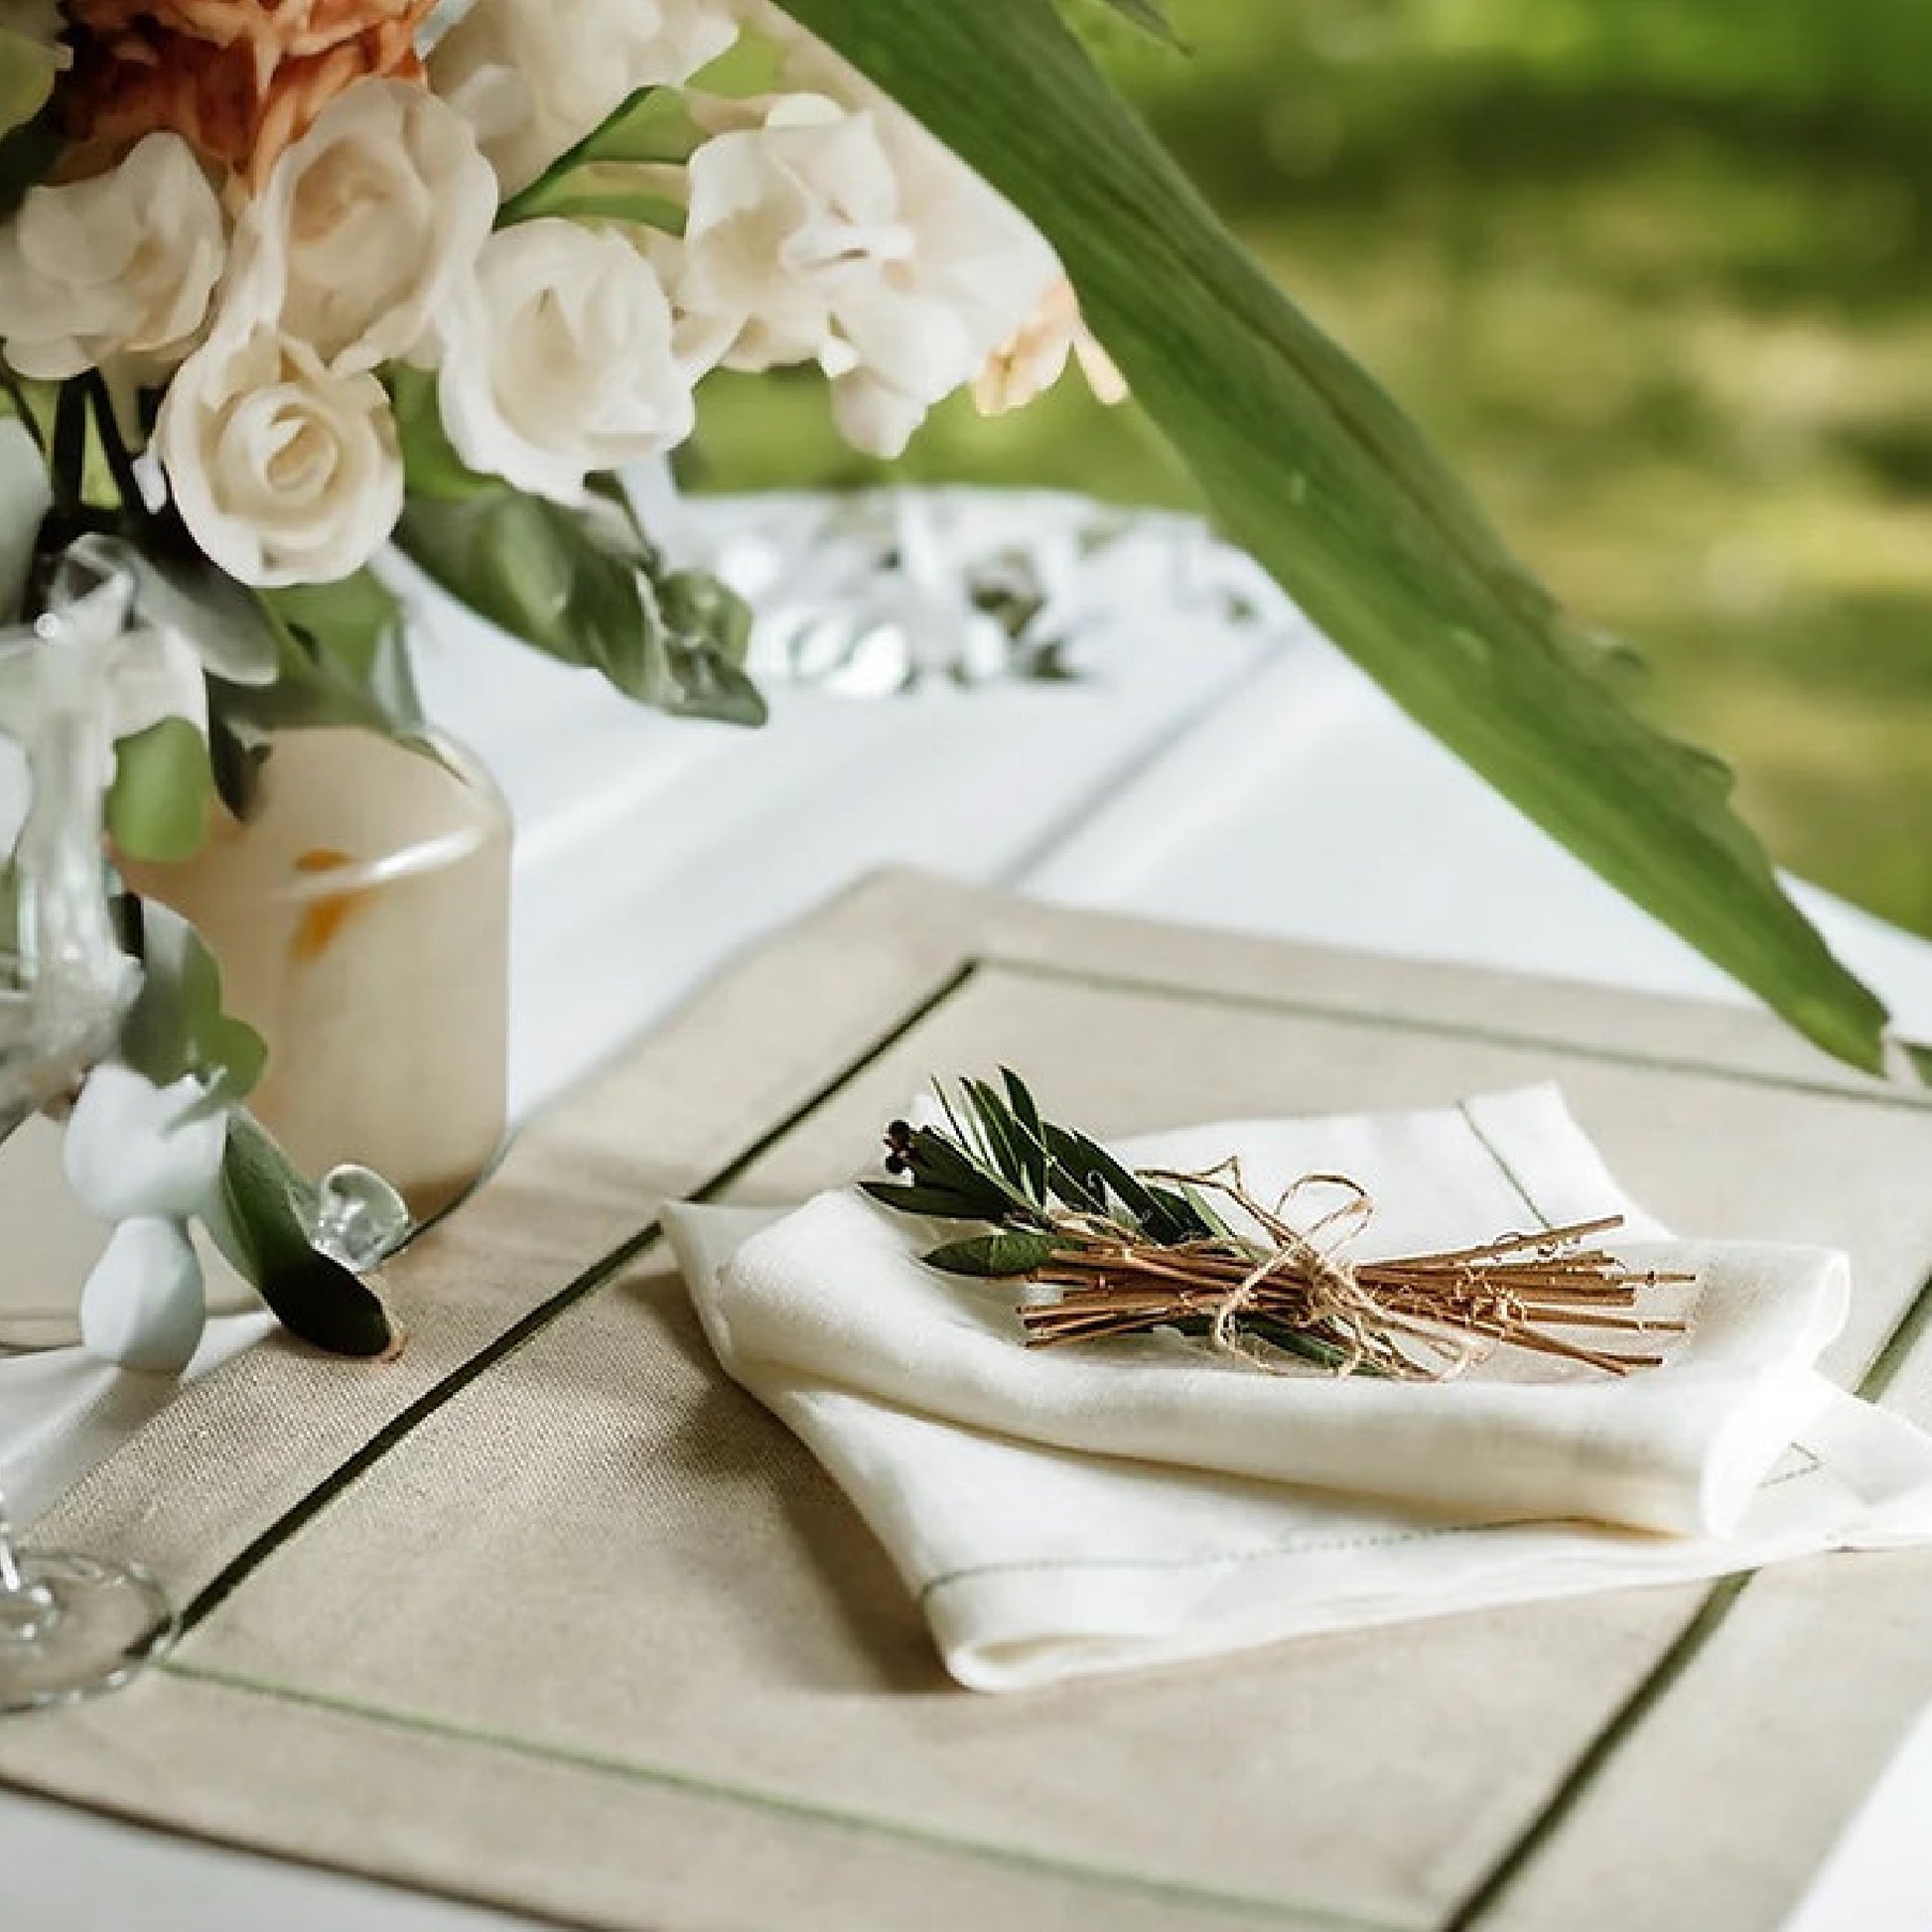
(1710, 1615)
(779, 1804)
(1873, 1094)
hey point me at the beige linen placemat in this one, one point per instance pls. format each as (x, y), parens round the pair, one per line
(549, 1614)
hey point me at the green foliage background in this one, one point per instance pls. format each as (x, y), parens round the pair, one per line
(1658, 276)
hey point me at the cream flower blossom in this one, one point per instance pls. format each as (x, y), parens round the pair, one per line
(561, 362)
(146, 1160)
(365, 226)
(145, 1303)
(133, 1148)
(1019, 371)
(839, 232)
(284, 472)
(116, 269)
(536, 75)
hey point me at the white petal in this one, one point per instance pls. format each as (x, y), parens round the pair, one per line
(365, 226)
(562, 359)
(130, 1151)
(144, 1305)
(157, 675)
(876, 418)
(234, 410)
(119, 265)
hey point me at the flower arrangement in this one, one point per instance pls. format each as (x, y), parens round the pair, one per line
(284, 283)
(336, 280)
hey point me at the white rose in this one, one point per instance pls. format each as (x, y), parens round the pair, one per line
(365, 226)
(118, 266)
(537, 76)
(561, 362)
(284, 472)
(841, 234)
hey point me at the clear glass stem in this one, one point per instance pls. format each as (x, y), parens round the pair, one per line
(10, 1579)
(26, 1608)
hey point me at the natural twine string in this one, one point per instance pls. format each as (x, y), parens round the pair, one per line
(1298, 1291)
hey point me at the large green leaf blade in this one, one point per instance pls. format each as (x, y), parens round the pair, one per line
(1147, 15)
(1311, 468)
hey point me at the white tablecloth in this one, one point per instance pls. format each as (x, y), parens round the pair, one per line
(1230, 772)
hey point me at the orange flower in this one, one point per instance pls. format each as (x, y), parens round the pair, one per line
(238, 80)
(273, 30)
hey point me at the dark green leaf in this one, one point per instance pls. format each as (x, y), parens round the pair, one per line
(351, 636)
(1070, 1177)
(950, 1160)
(911, 1197)
(1165, 1216)
(28, 151)
(1310, 1348)
(157, 806)
(580, 584)
(1313, 468)
(267, 1210)
(940, 1160)
(341, 658)
(1025, 1115)
(706, 615)
(994, 1257)
(1002, 1141)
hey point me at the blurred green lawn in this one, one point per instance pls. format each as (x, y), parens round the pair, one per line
(1656, 273)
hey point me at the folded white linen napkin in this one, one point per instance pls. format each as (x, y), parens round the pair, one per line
(1086, 1509)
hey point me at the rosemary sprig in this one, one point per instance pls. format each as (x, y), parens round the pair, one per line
(1127, 1251)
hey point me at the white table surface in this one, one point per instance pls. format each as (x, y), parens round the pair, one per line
(1241, 776)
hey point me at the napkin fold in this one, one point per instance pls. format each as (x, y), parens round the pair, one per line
(1070, 1512)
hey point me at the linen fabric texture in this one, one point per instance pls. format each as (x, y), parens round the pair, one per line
(1070, 1511)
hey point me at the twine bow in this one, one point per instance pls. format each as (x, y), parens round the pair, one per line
(1286, 1296)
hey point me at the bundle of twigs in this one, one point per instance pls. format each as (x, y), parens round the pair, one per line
(1125, 1253)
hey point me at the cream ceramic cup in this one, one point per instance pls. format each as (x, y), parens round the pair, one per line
(360, 918)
